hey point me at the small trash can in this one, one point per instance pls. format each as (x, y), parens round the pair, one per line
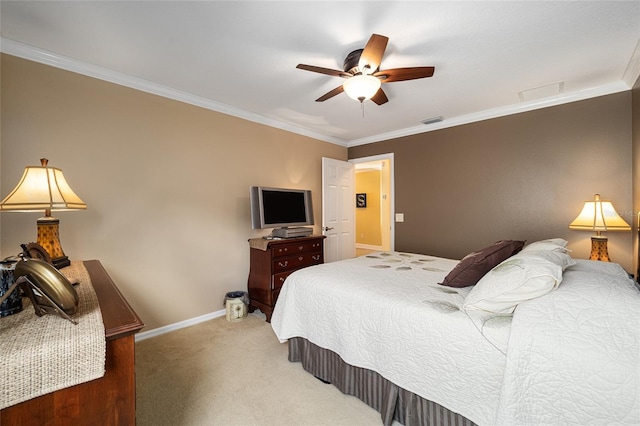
(237, 303)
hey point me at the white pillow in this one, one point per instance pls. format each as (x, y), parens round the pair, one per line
(552, 244)
(516, 280)
(560, 258)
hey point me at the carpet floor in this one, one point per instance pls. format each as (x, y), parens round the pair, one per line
(234, 373)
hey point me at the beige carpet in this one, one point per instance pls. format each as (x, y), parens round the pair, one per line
(224, 373)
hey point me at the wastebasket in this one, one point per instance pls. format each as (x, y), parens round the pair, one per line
(236, 303)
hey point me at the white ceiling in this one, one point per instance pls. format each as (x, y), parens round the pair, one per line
(240, 57)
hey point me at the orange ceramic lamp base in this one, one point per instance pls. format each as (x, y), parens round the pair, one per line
(599, 249)
(48, 238)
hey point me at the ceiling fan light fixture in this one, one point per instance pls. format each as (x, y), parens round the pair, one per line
(361, 69)
(361, 87)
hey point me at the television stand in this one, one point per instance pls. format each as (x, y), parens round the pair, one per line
(273, 262)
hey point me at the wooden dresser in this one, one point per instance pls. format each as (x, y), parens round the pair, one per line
(109, 400)
(271, 266)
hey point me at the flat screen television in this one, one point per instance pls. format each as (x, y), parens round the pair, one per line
(280, 208)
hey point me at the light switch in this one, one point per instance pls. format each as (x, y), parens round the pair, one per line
(399, 217)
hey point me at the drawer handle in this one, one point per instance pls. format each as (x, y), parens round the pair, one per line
(316, 257)
(281, 279)
(283, 250)
(300, 258)
(300, 248)
(283, 264)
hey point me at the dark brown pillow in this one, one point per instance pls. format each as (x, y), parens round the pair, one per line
(475, 265)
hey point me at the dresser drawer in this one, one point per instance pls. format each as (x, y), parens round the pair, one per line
(289, 249)
(297, 261)
(278, 280)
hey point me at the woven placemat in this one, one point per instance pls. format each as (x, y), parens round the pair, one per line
(259, 243)
(39, 355)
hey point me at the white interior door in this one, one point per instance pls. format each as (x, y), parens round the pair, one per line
(338, 209)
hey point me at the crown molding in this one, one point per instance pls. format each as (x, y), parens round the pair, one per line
(25, 51)
(496, 112)
(632, 73)
(35, 54)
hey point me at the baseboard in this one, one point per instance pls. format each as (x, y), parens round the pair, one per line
(368, 247)
(178, 325)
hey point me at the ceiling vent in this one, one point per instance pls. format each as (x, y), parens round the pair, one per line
(432, 120)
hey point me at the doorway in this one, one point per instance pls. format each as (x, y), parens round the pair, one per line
(374, 203)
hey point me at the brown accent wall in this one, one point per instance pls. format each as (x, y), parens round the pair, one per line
(523, 176)
(166, 183)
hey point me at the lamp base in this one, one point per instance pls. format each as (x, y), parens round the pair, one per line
(599, 249)
(60, 262)
(48, 238)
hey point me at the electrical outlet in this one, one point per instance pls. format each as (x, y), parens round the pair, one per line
(399, 217)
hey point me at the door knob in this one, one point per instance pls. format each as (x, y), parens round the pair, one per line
(327, 228)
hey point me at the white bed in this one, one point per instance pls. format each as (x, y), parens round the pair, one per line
(571, 356)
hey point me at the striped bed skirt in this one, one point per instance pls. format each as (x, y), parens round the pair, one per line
(390, 400)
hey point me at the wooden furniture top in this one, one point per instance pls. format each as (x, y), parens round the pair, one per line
(117, 315)
(289, 240)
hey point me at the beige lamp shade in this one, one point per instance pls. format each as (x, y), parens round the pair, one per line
(599, 215)
(361, 87)
(42, 188)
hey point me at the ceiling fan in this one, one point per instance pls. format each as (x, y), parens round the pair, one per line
(363, 75)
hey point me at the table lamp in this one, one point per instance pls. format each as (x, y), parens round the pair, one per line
(599, 215)
(44, 188)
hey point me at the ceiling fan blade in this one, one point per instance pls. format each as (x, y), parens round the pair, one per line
(403, 74)
(372, 54)
(327, 71)
(380, 97)
(330, 94)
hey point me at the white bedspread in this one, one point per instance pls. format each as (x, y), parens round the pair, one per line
(574, 355)
(388, 314)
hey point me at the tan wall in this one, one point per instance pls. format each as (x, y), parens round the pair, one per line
(166, 183)
(523, 176)
(368, 229)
